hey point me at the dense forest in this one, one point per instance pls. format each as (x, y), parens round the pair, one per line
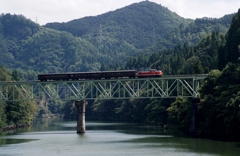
(142, 35)
(15, 114)
(218, 111)
(90, 43)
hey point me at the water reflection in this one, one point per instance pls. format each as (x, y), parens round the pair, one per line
(56, 137)
(13, 141)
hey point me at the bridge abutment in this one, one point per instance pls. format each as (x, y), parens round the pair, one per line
(81, 128)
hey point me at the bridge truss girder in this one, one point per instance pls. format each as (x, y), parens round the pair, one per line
(166, 87)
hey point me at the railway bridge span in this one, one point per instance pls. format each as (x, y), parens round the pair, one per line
(80, 91)
(170, 86)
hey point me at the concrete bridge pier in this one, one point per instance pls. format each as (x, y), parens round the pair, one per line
(195, 102)
(81, 116)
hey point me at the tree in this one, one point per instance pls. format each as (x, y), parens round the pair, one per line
(209, 86)
(179, 114)
(219, 109)
(15, 76)
(231, 50)
(15, 112)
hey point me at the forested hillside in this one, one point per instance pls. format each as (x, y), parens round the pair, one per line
(92, 43)
(26, 45)
(197, 59)
(141, 35)
(218, 110)
(14, 114)
(142, 25)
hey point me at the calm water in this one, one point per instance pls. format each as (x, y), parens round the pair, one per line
(59, 138)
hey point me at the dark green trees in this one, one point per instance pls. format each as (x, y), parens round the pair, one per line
(197, 59)
(231, 51)
(219, 112)
(12, 112)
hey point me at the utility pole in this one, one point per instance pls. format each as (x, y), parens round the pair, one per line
(36, 19)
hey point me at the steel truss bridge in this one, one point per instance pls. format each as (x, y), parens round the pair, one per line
(125, 88)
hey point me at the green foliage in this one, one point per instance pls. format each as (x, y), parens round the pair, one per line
(104, 110)
(156, 112)
(3, 117)
(179, 114)
(219, 110)
(197, 59)
(4, 74)
(200, 28)
(142, 35)
(210, 82)
(15, 113)
(52, 51)
(131, 31)
(17, 27)
(231, 51)
(106, 39)
(148, 111)
(140, 24)
(15, 76)
(70, 111)
(21, 112)
(218, 115)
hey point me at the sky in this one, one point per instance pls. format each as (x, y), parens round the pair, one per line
(46, 11)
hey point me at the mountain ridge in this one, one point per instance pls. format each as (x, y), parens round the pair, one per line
(146, 17)
(110, 38)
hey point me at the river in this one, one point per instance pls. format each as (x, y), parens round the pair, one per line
(54, 137)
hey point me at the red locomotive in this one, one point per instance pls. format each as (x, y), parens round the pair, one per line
(100, 75)
(150, 73)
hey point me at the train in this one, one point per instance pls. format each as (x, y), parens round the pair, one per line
(100, 75)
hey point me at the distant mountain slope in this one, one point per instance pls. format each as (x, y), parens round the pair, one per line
(26, 45)
(140, 24)
(89, 43)
(200, 28)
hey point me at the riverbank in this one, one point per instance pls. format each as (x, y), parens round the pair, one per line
(14, 127)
